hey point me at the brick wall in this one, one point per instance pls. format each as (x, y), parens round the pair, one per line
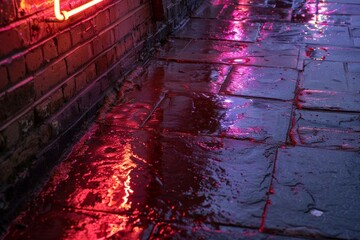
(54, 75)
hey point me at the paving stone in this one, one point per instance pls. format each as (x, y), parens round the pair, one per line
(354, 76)
(334, 8)
(326, 86)
(316, 194)
(332, 53)
(323, 75)
(186, 77)
(208, 11)
(219, 30)
(205, 51)
(309, 33)
(136, 176)
(335, 130)
(329, 100)
(245, 2)
(177, 231)
(355, 32)
(242, 12)
(137, 105)
(356, 42)
(325, 20)
(277, 83)
(253, 119)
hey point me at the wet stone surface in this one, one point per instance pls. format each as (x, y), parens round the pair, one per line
(242, 12)
(223, 52)
(277, 83)
(185, 77)
(330, 85)
(316, 194)
(244, 125)
(330, 53)
(223, 116)
(306, 34)
(176, 231)
(219, 30)
(334, 130)
(128, 180)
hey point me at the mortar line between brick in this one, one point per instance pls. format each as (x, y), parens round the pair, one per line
(30, 107)
(23, 53)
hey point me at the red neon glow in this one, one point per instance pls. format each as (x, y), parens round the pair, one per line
(64, 15)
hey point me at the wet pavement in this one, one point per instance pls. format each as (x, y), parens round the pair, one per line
(245, 125)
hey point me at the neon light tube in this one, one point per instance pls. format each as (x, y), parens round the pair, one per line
(64, 15)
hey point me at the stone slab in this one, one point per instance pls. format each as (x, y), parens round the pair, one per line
(316, 194)
(206, 114)
(334, 130)
(277, 83)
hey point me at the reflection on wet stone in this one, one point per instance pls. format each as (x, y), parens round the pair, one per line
(277, 83)
(223, 116)
(244, 125)
(128, 180)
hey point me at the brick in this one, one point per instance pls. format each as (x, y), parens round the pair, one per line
(15, 100)
(63, 42)
(48, 107)
(101, 64)
(34, 59)
(111, 56)
(124, 46)
(7, 12)
(90, 97)
(17, 69)
(115, 73)
(83, 32)
(13, 41)
(102, 20)
(85, 77)
(123, 28)
(51, 77)
(3, 78)
(103, 42)
(40, 30)
(50, 50)
(106, 83)
(140, 32)
(97, 46)
(118, 10)
(26, 123)
(79, 58)
(12, 134)
(107, 39)
(69, 89)
(2, 143)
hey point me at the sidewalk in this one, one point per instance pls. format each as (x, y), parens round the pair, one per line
(245, 125)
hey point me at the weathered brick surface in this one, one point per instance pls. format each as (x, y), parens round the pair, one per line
(34, 59)
(12, 102)
(17, 69)
(63, 42)
(13, 41)
(50, 50)
(51, 77)
(80, 57)
(3, 77)
(83, 32)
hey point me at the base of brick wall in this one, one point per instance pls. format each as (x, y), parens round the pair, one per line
(24, 189)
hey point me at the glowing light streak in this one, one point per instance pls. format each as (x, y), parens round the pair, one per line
(64, 15)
